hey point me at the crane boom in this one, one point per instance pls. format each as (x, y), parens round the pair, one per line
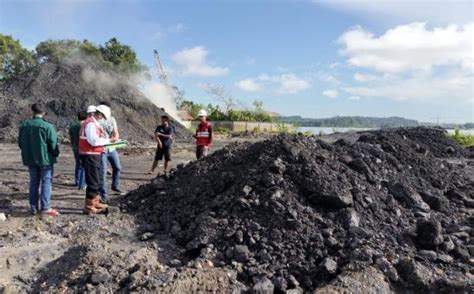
(161, 69)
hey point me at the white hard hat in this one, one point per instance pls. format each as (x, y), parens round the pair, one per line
(202, 112)
(91, 109)
(105, 110)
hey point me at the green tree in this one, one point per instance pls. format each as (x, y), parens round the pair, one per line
(90, 49)
(56, 50)
(14, 59)
(121, 56)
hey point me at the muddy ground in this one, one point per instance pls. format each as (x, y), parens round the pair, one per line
(31, 247)
(74, 252)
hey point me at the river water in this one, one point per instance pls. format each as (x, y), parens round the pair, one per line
(326, 131)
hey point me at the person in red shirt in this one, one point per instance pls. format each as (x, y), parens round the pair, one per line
(91, 148)
(203, 135)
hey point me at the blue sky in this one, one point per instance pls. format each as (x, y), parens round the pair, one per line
(308, 58)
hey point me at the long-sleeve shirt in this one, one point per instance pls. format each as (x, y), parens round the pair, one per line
(38, 142)
(74, 131)
(92, 137)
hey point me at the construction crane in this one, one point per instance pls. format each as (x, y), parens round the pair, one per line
(175, 92)
(161, 70)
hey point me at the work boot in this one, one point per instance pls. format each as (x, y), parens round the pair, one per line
(98, 205)
(90, 207)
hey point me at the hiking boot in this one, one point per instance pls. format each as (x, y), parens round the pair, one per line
(98, 204)
(89, 207)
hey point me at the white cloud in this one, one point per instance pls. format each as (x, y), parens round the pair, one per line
(451, 89)
(327, 78)
(355, 98)
(284, 84)
(438, 12)
(291, 84)
(413, 63)
(193, 63)
(410, 47)
(248, 85)
(365, 77)
(264, 77)
(330, 93)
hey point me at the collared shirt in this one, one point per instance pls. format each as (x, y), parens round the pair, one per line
(38, 142)
(91, 135)
(109, 126)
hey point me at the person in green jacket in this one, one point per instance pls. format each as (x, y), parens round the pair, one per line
(39, 149)
(74, 128)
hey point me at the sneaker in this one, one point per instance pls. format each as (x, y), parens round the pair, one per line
(104, 201)
(118, 192)
(50, 212)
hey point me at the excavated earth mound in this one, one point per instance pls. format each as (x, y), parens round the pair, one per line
(296, 212)
(66, 88)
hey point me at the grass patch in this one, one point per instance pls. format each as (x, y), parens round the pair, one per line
(222, 130)
(463, 139)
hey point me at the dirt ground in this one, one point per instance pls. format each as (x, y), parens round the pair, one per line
(33, 246)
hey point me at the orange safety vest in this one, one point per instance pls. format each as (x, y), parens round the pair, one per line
(203, 134)
(84, 147)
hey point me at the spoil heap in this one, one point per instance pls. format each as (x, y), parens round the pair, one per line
(296, 212)
(70, 86)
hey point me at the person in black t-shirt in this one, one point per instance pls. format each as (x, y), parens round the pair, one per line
(164, 139)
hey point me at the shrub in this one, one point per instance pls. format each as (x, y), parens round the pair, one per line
(463, 139)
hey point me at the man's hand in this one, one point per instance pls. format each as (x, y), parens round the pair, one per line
(114, 138)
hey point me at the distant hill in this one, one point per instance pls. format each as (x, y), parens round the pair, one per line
(350, 122)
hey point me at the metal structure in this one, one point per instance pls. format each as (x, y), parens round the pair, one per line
(161, 69)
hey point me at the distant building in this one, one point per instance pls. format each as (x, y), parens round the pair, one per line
(185, 117)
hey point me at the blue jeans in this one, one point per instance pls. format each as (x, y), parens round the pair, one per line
(79, 173)
(40, 176)
(113, 158)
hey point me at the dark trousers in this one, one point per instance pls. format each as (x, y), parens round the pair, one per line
(93, 168)
(201, 151)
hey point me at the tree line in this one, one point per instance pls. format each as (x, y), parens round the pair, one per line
(114, 55)
(351, 122)
(216, 113)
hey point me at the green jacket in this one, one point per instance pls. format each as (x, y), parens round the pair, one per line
(74, 131)
(38, 142)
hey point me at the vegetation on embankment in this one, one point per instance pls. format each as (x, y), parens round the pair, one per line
(463, 139)
(215, 113)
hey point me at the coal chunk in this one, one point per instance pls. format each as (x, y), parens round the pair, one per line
(429, 233)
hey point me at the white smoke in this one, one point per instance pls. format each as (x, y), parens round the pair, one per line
(100, 79)
(158, 93)
(162, 96)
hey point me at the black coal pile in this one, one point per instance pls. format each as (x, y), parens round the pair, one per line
(296, 212)
(68, 87)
